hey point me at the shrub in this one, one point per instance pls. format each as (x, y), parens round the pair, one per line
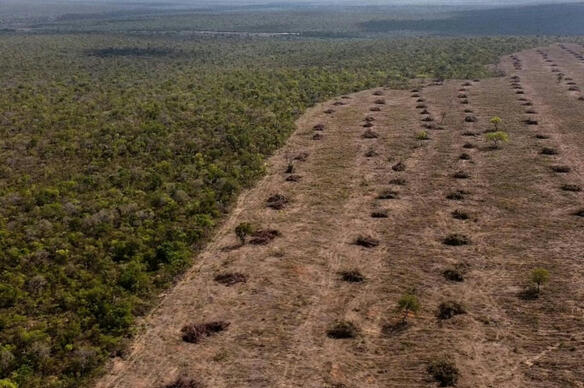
(407, 304)
(571, 187)
(496, 121)
(461, 175)
(388, 194)
(423, 135)
(353, 276)
(366, 241)
(379, 214)
(548, 151)
(444, 372)
(561, 169)
(459, 215)
(277, 201)
(193, 333)
(243, 230)
(398, 167)
(539, 276)
(229, 279)
(263, 237)
(456, 240)
(497, 137)
(184, 382)
(342, 330)
(454, 275)
(449, 309)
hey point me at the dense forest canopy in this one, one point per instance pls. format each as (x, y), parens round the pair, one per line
(119, 153)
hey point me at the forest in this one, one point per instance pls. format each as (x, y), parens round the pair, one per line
(120, 154)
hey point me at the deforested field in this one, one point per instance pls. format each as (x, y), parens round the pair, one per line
(400, 238)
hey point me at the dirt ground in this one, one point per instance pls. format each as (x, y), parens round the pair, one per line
(519, 217)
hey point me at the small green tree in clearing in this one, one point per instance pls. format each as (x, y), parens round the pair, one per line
(496, 121)
(539, 276)
(497, 137)
(243, 230)
(407, 304)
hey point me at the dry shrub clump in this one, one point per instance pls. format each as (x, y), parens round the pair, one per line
(461, 175)
(449, 309)
(370, 134)
(302, 156)
(318, 127)
(398, 182)
(571, 187)
(460, 215)
(388, 194)
(229, 279)
(366, 241)
(263, 237)
(456, 240)
(561, 169)
(457, 195)
(380, 214)
(342, 330)
(194, 333)
(548, 151)
(317, 136)
(277, 201)
(444, 372)
(184, 382)
(293, 178)
(398, 167)
(352, 276)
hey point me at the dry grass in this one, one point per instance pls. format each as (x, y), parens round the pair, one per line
(522, 218)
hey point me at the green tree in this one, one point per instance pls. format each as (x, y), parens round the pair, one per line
(497, 137)
(539, 276)
(243, 230)
(496, 121)
(407, 304)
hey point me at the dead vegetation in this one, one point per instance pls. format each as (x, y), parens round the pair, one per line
(444, 372)
(388, 194)
(264, 236)
(560, 169)
(194, 333)
(231, 278)
(342, 330)
(277, 201)
(370, 134)
(366, 241)
(571, 187)
(457, 195)
(399, 167)
(380, 214)
(456, 240)
(293, 178)
(352, 276)
(449, 309)
(184, 382)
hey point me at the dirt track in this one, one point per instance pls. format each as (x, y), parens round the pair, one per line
(519, 218)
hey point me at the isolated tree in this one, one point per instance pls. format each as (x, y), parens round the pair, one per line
(497, 137)
(242, 231)
(496, 121)
(407, 304)
(539, 276)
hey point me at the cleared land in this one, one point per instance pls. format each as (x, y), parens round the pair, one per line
(519, 216)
